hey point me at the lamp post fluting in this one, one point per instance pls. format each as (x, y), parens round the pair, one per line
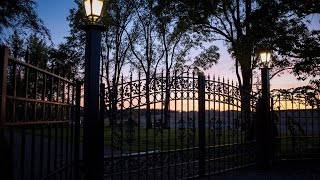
(93, 147)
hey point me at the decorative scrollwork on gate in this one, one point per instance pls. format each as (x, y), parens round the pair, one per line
(165, 134)
(159, 126)
(116, 134)
(130, 131)
(136, 90)
(181, 129)
(212, 137)
(218, 129)
(191, 125)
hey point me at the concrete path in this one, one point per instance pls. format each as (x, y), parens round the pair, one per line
(289, 170)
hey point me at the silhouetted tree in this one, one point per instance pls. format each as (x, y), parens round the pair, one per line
(21, 16)
(16, 46)
(64, 60)
(246, 27)
(115, 45)
(177, 42)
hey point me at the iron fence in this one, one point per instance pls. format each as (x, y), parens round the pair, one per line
(198, 128)
(38, 120)
(175, 127)
(296, 114)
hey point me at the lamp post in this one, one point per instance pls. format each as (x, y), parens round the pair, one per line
(93, 147)
(266, 148)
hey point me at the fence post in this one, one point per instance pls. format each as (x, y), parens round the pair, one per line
(102, 103)
(4, 55)
(265, 124)
(102, 109)
(273, 132)
(201, 123)
(93, 127)
(77, 131)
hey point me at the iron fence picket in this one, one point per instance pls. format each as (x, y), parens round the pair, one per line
(175, 125)
(139, 123)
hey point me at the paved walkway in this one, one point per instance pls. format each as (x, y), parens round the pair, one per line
(304, 170)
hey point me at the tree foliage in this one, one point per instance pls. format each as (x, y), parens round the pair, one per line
(37, 51)
(21, 16)
(308, 65)
(249, 26)
(143, 36)
(15, 45)
(160, 34)
(64, 61)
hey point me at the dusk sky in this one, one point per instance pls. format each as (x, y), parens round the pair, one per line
(54, 15)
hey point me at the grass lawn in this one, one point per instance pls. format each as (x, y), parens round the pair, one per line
(303, 146)
(142, 139)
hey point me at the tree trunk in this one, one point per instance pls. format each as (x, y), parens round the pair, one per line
(148, 113)
(166, 122)
(113, 105)
(245, 93)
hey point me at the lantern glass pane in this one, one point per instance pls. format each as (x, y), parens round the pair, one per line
(87, 6)
(265, 57)
(97, 7)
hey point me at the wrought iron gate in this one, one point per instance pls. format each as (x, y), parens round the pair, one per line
(39, 121)
(198, 127)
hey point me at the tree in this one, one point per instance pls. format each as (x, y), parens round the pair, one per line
(307, 66)
(246, 27)
(16, 45)
(34, 51)
(21, 16)
(115, 42)
(64, 60)
(37, 55)
(116, 48)
(16, 49)
(38, 51)
(177, 41)
(311, 93)
(307, 57)
(145, 47)
(159, 41)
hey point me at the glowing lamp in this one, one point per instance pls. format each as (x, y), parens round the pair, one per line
(265, 57)
(93, 9)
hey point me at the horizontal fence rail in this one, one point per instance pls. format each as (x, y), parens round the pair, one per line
(197, 126)
(39, 121)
